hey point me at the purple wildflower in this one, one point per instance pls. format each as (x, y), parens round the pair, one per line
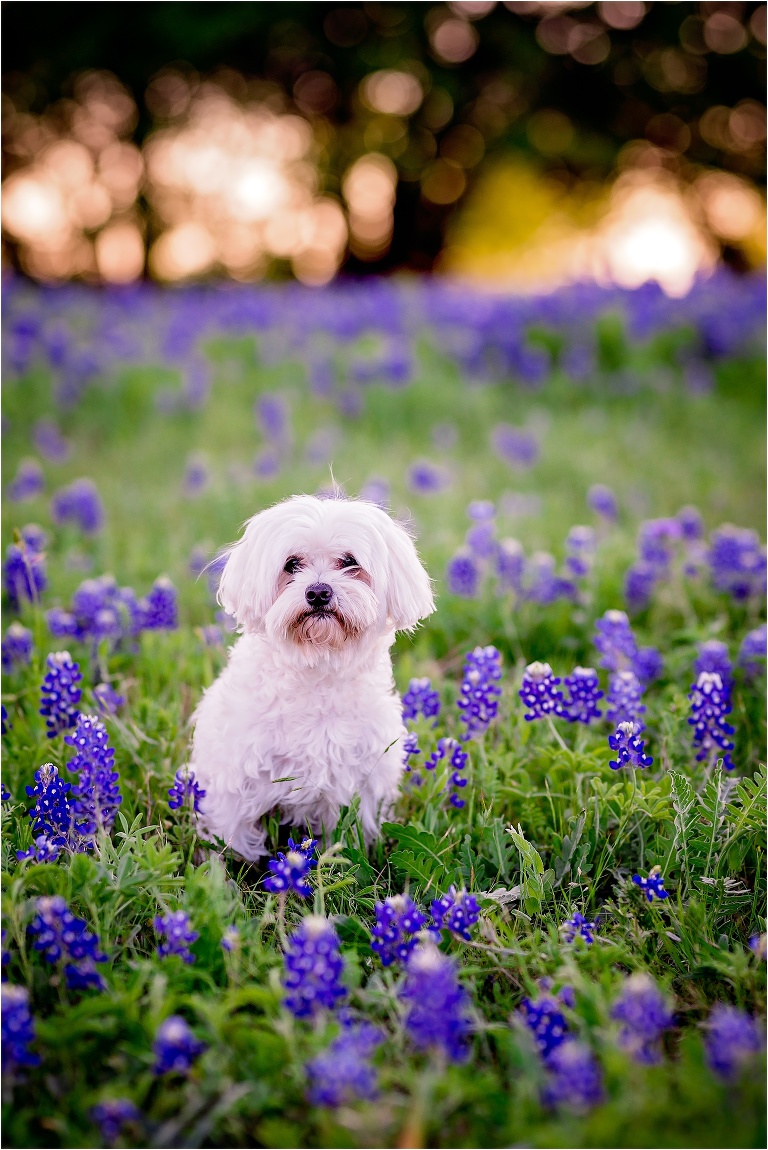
(159, 609)
(639, 583)
(107, 699)
(580, 547)
(615, 641)
(628, 747)
(544, 1018)
(539, 692)
(230, 940)
(185, 791)
(44, 850)
(603, 502)
(645, 1014)
(421, 699)
(96, 794)
(578, 927)
(515, 446)
(648, 665)
(18, 1029)
(16, 647)
(425, 478)
(28, 482)
(175, 1047)
(196, 476)
(457, 758)
(313, 968)
(463, 575)
(510, 565)
(624, 699)
(179, 935)
(733, 1041)
(342, 1074)
(112, 1115)
(652, 886)
(737, 562)
(437, 1015)
(50, 442)
(290, 871)
(24, 574)
(574, 1078)
(62, 937)
(80, 504)
(710, 703)
(60, 693)
(52, 815)
(585, 693)
(751, 657)
(456, 912)
(713, 657)
(398, 921)
(479, 694)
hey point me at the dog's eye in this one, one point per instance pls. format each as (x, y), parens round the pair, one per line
(348, 561)
(292, 565)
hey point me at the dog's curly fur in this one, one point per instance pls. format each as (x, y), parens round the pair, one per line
(305, 716)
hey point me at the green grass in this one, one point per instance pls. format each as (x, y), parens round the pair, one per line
(588, 831)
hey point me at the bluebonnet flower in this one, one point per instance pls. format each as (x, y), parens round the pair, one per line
(425, 478)
(5, 794)
(710, 703)
(758, 944)
(648, 665)
(44, 850)
(271, 413)
(628, 747)
(50, 442)
(420, 699)
(290, 871)
(112, 1115)
(645, 1014)
(230, 940)
(737, 562)
(266, 463)
(478, 694)
(79, 503)
(398, 921)
(615, 641)
(751, 657)
(410, 748)
(62, 937)
(342, 1074)
(691, 523)
(96, 793)
(212, 635)
(6, 723)
(52, 815)
(510, 565)
(457, 759)
(713, 657)
(515, 446)
(179, 935)
(60, 693)
(437, 1015)
(456, 912)
(625, 693)
(462, 574)
(16, 647)
(28, 482)
(574, 1078)
(578, 927)
(18, 1029)
(481, 511)
(585, 693)
(313, 968)
(639, 584)
(175, 1047)
(376, 490)
(602, 501)
(34, 537)
(542, 583)
(540, 693)
(733, 1041)
(196, 476)
(580, 547)
(652, 886)
(545, 1019)
(185, 791)
(481, 540)
(159, 609)
(655, 543)
(24, 574)
(107, 699)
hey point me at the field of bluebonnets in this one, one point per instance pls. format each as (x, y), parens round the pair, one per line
(559, 939)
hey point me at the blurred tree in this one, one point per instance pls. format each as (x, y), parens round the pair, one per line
(437, 89)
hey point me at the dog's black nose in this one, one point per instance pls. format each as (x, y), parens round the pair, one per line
(319, 595)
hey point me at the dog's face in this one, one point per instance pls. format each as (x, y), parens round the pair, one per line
(322, 577)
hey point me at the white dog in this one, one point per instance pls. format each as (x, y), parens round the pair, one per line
(305, 716)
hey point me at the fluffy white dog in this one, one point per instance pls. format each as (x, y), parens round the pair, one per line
(305, 716)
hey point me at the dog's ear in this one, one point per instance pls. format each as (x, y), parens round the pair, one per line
(409, 588)
(247, 584)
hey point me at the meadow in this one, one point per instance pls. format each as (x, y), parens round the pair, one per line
(584, 475)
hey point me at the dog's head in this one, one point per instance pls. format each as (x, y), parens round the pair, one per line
(320, 575)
